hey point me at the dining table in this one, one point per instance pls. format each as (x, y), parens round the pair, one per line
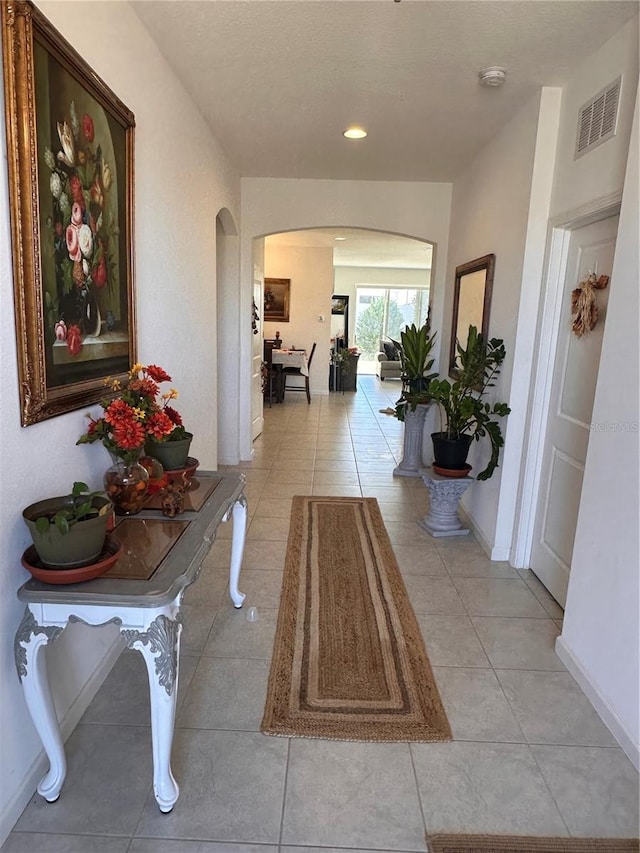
(283, 358)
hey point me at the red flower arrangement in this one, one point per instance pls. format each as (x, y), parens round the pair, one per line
(138, 414)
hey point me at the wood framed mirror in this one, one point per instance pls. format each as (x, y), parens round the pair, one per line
(471, 303)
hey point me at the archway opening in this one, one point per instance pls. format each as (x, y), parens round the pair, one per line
(385, 280)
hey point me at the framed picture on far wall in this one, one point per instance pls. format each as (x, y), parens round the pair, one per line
(339, 304)
(276, 299)
(71, 199)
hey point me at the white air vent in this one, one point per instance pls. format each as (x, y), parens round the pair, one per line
(598, 119)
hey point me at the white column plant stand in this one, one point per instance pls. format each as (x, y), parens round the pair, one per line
(411, 464)
(444, 497)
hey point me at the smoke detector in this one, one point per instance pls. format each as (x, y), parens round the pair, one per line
(493, 75)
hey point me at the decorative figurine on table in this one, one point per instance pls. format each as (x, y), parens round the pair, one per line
(172, 497)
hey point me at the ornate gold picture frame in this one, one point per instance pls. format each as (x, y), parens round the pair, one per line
(70, 155)
(276, 299)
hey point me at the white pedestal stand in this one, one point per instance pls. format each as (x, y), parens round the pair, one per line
(411, 464)
(444, 496)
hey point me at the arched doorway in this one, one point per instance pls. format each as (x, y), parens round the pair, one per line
(378, 271)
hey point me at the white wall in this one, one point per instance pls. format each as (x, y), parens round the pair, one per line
(502, 204)
(178, 176)
(493, 211)
(602, 170)
(271, 205)
(311, 274)
(227, 326)
(540, 290)
(600, 637)
(490, 214)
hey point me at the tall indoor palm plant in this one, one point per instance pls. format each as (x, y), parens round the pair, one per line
(414, 349)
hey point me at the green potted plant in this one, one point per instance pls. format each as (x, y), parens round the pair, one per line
(466, 416)
(69, 531)
(414, 348)
(343, 362)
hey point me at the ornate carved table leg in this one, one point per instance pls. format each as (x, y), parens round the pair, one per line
(30, 641)
(159, 646)
(239, 514)
(444, 496)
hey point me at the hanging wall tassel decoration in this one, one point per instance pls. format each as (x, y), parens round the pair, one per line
(584, 307)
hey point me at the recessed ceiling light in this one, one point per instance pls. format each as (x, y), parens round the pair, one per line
(354, 133)
(339, 238)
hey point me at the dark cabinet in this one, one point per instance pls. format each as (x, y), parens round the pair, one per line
(340, 320)
(344, 378)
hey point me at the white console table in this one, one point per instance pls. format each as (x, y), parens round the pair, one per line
(143, 599)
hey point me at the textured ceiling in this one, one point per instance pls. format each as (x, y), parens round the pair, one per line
(278, 80)
(360, 247)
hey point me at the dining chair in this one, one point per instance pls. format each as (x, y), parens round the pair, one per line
(270, 375)
(295, 371)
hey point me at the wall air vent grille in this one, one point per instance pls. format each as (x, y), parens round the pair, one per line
(598, 118)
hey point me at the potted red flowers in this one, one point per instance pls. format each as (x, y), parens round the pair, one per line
(138, 419)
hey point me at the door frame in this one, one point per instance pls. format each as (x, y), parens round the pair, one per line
(548, 330)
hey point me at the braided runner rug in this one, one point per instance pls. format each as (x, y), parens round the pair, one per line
(520, 844)
(349, 662)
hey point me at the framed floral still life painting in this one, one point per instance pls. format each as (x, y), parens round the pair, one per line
(276, 299)
(70, 157)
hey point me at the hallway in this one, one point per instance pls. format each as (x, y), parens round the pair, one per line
(529, 754)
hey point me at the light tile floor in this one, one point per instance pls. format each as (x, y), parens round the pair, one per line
(529, 753)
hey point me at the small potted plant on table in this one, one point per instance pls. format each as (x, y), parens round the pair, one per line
(70, 530)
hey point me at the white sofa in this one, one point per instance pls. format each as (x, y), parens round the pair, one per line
(388, 362)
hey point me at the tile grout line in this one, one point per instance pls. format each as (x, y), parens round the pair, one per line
(284, 792)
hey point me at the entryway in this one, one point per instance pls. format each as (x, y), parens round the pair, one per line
(575, 374)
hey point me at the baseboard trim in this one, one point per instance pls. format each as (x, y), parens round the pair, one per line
(38, 768)
(491, 551)
(607, 714)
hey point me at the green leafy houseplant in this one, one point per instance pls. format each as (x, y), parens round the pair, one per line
(414, 348)
(70, 530)
(343, 358)
(78, 506)
(466, 415)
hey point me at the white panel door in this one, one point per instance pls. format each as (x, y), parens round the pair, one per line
(257, 419)
(568, 427)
